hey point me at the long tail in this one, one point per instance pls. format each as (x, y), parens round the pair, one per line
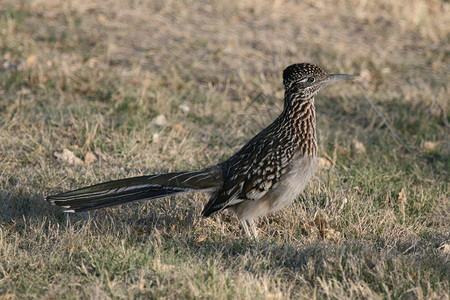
(137, 188)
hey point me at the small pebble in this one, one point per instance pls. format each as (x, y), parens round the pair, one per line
(184, 108)
(160, 120)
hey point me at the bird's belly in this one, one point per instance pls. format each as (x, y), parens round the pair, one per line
(290, 186)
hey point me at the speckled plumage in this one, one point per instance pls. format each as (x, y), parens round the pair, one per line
(264, 176)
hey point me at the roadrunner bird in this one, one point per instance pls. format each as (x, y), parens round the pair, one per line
(264, 176)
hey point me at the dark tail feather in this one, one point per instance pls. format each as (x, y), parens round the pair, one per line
(137, 188)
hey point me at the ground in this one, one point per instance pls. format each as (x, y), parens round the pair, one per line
(98, 90)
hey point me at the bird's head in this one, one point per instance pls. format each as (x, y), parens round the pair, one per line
(306, 80)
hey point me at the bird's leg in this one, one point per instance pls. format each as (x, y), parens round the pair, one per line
(251, 224)
(244, 225)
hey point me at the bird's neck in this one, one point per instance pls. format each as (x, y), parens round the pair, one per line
(301, 120)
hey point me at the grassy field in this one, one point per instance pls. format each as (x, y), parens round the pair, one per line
(98, 90)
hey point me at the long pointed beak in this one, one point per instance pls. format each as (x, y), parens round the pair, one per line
(334, 78)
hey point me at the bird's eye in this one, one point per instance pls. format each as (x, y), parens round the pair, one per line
(311, 79)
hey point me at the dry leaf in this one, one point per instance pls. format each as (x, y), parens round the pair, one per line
(69, 157)
(358, 147)
(201, 238)
(31, 60)
(344, 201)
(179, 129)
(430, 146)
(445, 248)
(332, 234)
(102, 18)
(90, 157)
(323, 163)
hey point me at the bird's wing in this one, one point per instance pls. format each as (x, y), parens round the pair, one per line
(250, 174)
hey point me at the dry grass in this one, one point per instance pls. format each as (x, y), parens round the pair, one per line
(93, 75)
